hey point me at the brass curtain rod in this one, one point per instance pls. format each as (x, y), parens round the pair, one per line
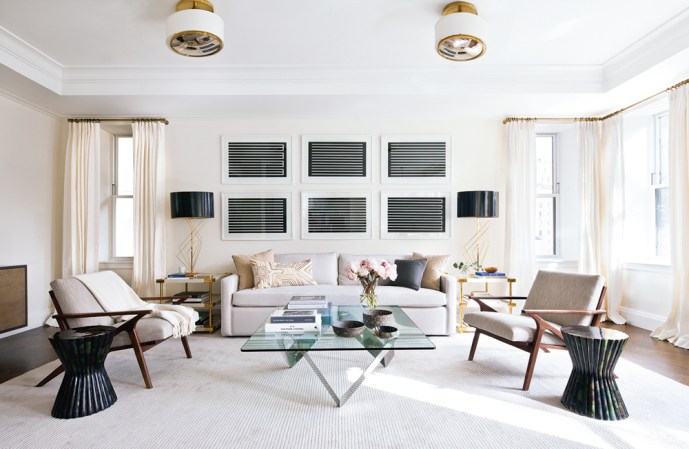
(142, 119)
(595, 119)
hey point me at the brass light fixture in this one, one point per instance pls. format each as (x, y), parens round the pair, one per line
(195, 30)
(459, 33)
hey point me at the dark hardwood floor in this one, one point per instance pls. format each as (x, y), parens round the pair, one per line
(28, 350)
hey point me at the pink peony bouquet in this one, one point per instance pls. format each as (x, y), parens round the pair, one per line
(368, 271)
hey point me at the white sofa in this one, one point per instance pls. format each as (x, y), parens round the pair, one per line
(433, 311)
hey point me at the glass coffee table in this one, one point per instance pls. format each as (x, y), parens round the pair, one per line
(298, 346)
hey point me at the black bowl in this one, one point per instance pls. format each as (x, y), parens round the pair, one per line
(377, 317)
(386, 332)
(348, 328)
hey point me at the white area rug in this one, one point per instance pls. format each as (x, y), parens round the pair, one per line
(425, 399)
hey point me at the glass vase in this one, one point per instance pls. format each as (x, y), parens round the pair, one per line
(368, 296)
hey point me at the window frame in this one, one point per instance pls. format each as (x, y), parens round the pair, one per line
(656, 182)
(114, 195)
(555, 196)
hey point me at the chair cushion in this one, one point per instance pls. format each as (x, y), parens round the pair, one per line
(510, 327)
(435, 265)
(565, 291)
(324, 265)
(73, 297)
(273, 274)
(148, 329)
(409, 273)
(243, 266)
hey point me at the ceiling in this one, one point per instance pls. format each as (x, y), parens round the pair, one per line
(341, 58)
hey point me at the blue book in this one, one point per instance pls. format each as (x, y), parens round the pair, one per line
(486, 274)
(177, 275)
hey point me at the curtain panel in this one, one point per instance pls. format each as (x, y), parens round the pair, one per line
(81, 199)
(676, 326)
(149, 206)
(601, 196)
(520, 203)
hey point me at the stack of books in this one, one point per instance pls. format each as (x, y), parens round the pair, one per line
(196, 297)
(497, 274)
(307, 302)
(297, 321)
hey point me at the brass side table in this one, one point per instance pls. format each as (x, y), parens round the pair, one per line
(212, 323)
(486, 281)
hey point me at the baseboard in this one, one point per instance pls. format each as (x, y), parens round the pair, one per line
(644, 320)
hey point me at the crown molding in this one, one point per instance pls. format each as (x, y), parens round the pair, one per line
(324, 80)
(667, 40)
(30, 62)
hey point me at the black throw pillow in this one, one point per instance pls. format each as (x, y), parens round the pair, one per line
(409, 273)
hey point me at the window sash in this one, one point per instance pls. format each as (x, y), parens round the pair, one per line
(114, 200)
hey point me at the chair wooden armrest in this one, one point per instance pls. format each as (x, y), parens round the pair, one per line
(97, 314)
(563, 312)
(491, 297)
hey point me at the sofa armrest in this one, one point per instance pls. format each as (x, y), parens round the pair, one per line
(228, 286)
(448, 285)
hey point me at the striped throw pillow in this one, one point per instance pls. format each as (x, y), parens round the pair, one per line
(273, 274)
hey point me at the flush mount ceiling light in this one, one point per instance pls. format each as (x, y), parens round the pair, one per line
(195, 30)
(459, 33)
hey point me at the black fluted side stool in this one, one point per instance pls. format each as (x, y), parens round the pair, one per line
(86, 387)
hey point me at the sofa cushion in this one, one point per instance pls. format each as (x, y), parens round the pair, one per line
(409, 273)
(273, 274)
(148, 329)
(346, 259)
(324, 265)
(73, 297)
(339, 295)
(435, 266)
(243, 266)
(511, 327)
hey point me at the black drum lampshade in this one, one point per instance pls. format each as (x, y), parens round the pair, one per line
(192, 205)
(477, 203)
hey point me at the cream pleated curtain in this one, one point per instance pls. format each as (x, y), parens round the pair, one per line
(520, 203)
(676, 327)
(601, 196)
(149, 206)
(81, 199)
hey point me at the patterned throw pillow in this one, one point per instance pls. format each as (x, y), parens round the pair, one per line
(273, 274)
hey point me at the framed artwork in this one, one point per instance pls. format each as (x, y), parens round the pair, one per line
(257, 216)
(423, 159)
(334, 158)
(256, 159)
(416, 215)
(341, 215)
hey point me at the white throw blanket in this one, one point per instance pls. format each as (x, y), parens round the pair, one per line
(115, 295)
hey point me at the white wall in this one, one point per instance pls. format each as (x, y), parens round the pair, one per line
(193, 163)
(31, 177)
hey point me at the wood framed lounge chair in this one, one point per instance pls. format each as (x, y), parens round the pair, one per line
(556, 299)
(76, 307)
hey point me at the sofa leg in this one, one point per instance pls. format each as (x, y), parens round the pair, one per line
(136, 346)
(185, 343)
(474, 344)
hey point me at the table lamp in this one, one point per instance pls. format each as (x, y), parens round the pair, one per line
(477, 204)
(191, 206)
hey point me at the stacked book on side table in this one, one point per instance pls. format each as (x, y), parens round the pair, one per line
(302, 314)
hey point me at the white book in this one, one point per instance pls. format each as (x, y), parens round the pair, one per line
(293, 327)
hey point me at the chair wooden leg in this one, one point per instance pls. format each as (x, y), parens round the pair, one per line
(530, 368)
(474, 344)
(56, 372)
(136, 345)
(187, 350)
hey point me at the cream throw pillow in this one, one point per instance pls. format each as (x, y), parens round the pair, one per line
(272, 274)
(434, 269)
(243, 265)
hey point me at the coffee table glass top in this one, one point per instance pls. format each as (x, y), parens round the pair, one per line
(409, 337)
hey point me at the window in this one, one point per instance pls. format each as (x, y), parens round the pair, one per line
(659, 185)
(122, 203)
(547, 193)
